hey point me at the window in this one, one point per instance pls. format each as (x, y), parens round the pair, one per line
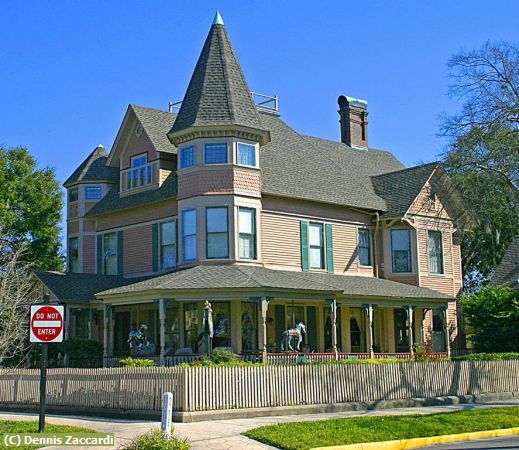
(215, 153)
(217, 236)
(189, 235)
(73, 195)
(191, 326)
(168, 245)
(221, 324)
(401, 250)
(316, 241)
(247, 231)
(110, 254)
(187, 157)
(247, 155)
(172, 341)
(435, 252)
(357, 329)
(92, 192)
(140, 174)
(249, 327)
(365, 247)
(73, 255)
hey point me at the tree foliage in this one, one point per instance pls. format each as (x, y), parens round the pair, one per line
(493, 314)
(483, 153)
(15, 301)
(30, 208)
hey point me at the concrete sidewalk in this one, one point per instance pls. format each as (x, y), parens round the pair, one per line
(225, 434)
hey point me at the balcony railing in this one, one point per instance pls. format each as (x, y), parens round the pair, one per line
(138, 177)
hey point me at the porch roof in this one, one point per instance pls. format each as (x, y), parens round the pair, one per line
(233, 276)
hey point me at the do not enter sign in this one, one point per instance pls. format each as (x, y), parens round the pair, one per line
(47, 323)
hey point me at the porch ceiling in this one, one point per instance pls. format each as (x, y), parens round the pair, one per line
(253, 278)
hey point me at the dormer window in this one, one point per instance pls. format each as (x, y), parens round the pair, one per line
(187, 157)
(140, 174)
(216, 153)
(246, 155)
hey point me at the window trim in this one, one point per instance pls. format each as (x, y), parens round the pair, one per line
(161, 268)
(184, 212)
(441, 254)
(323, 247)
(238, 154)
(254, 234)
(116, 255)
(411, 264)
(370, 247)
(217, 232)
(93, 187)
(214, 143)
(76, 190)
(181, 151)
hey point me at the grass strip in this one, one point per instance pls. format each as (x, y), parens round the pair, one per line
(324, 433)
(18, 426)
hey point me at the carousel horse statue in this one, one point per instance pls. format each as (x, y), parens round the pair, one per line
(289, 334)
(138, 338)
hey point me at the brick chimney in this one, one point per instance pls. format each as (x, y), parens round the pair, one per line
(353, 114)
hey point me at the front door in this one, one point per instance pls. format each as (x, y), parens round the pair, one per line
(122, 321)
(438, 331)
(402, 330)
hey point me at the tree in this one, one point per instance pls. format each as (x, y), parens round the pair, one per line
(30, 208)
(493, 314)
(483, 152)
(15, 299)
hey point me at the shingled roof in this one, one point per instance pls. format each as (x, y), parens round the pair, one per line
(399, 189)
(80, 287)
(218, 93)
(249, 277)
(94, 168)
(156, 123)
(507, 272)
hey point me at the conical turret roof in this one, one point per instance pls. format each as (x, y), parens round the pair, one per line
(218, 94)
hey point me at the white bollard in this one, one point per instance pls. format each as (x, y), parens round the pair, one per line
(167, 413)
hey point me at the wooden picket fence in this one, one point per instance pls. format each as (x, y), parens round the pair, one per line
(257, 386)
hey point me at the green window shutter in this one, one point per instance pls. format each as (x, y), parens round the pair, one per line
(329, 247)
(279, 313)
(311, 327)
(99, 254)
(155, 246)
(304, 245)
(120, 252)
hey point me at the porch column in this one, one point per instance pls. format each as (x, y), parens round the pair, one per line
(410, 314)
(264, 308)
(333, 308)
(90, 323)
(106, 322)
(112, 331)
(447, 337)
(162, 321)
(369, 312)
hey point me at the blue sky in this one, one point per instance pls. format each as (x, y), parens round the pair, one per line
(68, 69)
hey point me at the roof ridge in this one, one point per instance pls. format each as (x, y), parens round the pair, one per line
(435, 163)
(331, 141)
(134, 105)
(248, 274)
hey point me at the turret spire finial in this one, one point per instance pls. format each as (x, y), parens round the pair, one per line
(218, 19)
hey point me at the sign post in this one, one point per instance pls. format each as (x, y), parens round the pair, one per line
(167, 413)
(46, 327)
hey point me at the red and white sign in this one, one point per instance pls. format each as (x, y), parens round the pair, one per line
(47, 323)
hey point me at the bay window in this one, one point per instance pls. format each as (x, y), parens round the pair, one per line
(189, 235)
(401, 250)
(73, 195)
(247, 233)
(187, 157)
(316, 241)
(168, 245)
(435, 252)
(140, 173)
(247, 155)
(92, 192)
(217, 232)
(73, 255)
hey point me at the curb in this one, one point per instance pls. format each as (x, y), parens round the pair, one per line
(422, 442)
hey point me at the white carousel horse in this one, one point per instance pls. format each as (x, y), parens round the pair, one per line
(288, 335)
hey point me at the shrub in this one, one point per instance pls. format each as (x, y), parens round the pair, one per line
(224, 357)
(82, 352)
(486, 357)
(157, 440)
(136, 362)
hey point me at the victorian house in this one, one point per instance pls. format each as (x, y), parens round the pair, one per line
(222, 201)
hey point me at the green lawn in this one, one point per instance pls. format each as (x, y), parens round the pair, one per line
(306, 435)
(11, 426)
